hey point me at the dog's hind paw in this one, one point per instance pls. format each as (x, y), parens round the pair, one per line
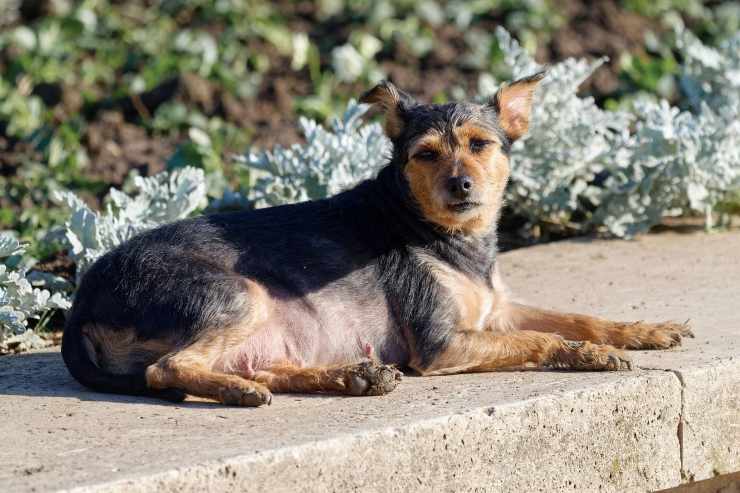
(371, 378)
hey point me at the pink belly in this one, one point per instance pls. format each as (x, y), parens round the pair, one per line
(332, 331)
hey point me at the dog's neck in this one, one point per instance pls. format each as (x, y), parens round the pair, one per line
(391, 194)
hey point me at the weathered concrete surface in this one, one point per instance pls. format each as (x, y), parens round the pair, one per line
(508, 431)
(658, 277)
(711, 409)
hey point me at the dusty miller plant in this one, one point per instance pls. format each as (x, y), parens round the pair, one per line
(579, 167)
(679, 162)
(330, 161)
(571, 142)
(157, 200)
(20, 301)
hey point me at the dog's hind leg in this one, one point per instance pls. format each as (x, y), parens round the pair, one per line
(626, 335)
(478, 351)
(192, 368)
(190, 372)
(365, 378)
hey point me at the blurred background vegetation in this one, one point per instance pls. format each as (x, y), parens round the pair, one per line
(90, 90)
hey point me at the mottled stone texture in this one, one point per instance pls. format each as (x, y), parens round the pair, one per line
(711, 420)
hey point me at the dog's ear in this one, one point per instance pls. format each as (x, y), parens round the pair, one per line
(513, 103)
(393, 102)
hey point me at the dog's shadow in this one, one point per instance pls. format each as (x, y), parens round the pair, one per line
(43, 374)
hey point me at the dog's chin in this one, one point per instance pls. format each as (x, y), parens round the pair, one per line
(463, 207)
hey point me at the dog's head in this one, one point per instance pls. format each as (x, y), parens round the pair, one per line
(455, 156)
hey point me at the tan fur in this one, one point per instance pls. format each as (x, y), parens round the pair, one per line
(474, 301)
(119, 351)
(519, 335)
(192, 368)
(489, 170)
(471, 351)
(514, 103)
(367, 378)
(187, 374)
(500, 318)
(294, 379)
(627, 335)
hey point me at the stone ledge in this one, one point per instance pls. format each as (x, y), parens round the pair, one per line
(622, 434)
(505, 431)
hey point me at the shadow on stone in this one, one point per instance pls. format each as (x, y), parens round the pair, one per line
(43, 374)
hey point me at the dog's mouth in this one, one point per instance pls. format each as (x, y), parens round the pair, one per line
(460, 207)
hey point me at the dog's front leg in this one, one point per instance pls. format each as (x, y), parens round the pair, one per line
(627, 335)
(364, 378)
(478, 351)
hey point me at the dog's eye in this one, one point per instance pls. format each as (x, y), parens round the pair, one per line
(426, 155)
(477, 145)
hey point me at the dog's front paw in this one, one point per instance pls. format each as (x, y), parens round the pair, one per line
(580, 355)
(250, 394)
(371, 378)
(640, 335)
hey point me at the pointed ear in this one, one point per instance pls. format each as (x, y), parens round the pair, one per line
(393, 102)
(513, 103)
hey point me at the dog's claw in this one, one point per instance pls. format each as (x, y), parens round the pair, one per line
(575, 344)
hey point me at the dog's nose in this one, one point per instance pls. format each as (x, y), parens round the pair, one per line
(460, 187)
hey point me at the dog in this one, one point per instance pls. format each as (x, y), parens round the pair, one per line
(337, 295)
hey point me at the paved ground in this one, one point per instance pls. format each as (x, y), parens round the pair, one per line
(675, 418)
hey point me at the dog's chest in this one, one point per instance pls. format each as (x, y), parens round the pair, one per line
(471, 301)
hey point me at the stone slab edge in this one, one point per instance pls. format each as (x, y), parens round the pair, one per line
(625, 435)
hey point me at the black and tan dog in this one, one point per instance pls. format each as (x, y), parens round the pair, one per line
(334, 295)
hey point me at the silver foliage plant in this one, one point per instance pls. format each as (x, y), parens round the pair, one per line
(580, 160)
(20, 301)
(680, 161)
(156, 200)
(571, 141)
(330, 161)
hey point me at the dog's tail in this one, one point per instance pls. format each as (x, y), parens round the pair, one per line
(79, 362)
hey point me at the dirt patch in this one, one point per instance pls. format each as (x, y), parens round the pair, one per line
(116, 147)
(594, 30)
(60, 264)
(14, 153)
